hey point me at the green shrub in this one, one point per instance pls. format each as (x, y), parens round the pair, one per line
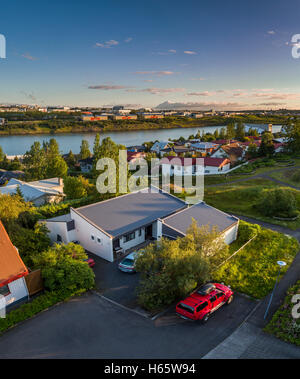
(277, 202)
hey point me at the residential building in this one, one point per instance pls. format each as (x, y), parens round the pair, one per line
(38, 192)
(204, 147)
(94, 118)
(159, 146)
(120, 116)
(234, 152)
(5, 176)
(86, 164)
(176, 225)
(147, 116)
(117, 224)
(194, 166)
(12, 271)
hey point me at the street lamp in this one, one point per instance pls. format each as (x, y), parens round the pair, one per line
(280, 264)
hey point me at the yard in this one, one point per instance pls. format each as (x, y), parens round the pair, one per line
(253, 270)
(283, 325)
(240, 198)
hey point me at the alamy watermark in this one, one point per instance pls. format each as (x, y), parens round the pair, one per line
(296, 308)
(295, 42)
(2, 307)
(187, 174)
(2, 46)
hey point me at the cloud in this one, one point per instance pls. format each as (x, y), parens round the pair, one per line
(277, 95)
(200, 106)
(270, 104)
(198, 79)
(204, 93)
(129, 39)
(189, 52)
(158, 73)
(271, 32)
(172, 51)
(29, 96)
(148, 80)
(105, 87)
(158, 91)
(29, 57)
(107, 44)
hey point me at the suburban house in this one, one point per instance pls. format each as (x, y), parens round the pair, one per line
(5, 176)
(12, 271)
(190, 166)
(134, 156)
(86, 164)
(204, 147)
(159, 146)
(234, 152)
(117, 224)
(38, 192)
(176, 225)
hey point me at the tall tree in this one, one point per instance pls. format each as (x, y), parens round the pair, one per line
(267, 146)
(97, 145)
(85, 150)
(240, 131)
(230, 131)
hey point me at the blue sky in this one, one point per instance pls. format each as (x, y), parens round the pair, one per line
(222, 55)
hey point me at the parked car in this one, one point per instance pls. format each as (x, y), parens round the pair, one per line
(203, 302)
(127, 264)
(90, 262)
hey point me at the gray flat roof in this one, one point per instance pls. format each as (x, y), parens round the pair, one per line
(63, 218)
(126, 213)
(204, 214)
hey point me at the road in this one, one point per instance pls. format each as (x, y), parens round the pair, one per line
(91, 327)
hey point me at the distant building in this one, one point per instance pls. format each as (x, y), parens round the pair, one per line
(196, 115)
(152, 115)
(124, 117)
(90, 117)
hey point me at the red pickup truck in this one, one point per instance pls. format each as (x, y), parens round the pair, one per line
(203, 302)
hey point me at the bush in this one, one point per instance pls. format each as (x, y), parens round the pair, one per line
(277, 202)
(63, 266)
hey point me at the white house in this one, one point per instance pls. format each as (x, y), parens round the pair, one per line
(12, 271)
(234, 152)
(159, 146)
(38, 192)
(176, 225)
(179, 166)
(119, 223)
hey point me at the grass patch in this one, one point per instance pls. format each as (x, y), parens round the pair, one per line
(240, 198)
(283, 325)
(253, 270)
(291, 176)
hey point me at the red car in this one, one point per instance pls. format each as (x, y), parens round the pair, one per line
(203, 302)
(90, 262)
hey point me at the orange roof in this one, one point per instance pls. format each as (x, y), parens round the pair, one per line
(11, 264)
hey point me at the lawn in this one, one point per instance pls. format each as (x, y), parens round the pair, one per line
(253, 270)
(291, 177)
(240, 198)
(283, 325)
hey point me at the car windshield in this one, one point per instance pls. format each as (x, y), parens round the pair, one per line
(127, 262)
(186, 308)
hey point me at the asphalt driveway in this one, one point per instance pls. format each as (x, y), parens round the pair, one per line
(91, 327)
(114, 284)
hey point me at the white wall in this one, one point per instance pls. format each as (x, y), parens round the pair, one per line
(18, 291)
(60, 228)
(231, 234)
(85, 230)
(157, 230)
(138, 239)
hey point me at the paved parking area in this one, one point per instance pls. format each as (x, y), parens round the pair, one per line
(91, 327)
(114, 284)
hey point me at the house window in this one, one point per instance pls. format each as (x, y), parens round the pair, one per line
(4, 291)
(140, 232)
(98, 240)
(92, 237)
(129, 237)
(58, 238)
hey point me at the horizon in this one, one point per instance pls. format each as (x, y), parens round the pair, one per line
(232, 56)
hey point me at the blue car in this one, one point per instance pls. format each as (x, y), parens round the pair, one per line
(127, 264)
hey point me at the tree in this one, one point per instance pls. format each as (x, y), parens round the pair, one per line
(70, 159)
(277, 202)
(216, 134)
(172, 269)
(230, 131)
(240, 131)
(84, 150)
(63, 267)
(252, 151)
(292, 135)
(76, 187)
(35, 162)
(222, 134)
(267, 146)
(96, 148)
(56, 165)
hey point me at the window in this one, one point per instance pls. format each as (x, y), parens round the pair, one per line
(186, 307)
(129, 237)
(213, 299)
(140, 232)
(4, 291)
(219, 295)
(92, 237)
(201, 306)
(58, 238)
(98, 240)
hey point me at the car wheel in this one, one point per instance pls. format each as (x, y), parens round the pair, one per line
(229, 300)
(205, 318)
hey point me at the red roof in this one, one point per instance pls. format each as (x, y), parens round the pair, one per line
(223, 141)
(208, 161)
(11, 264)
